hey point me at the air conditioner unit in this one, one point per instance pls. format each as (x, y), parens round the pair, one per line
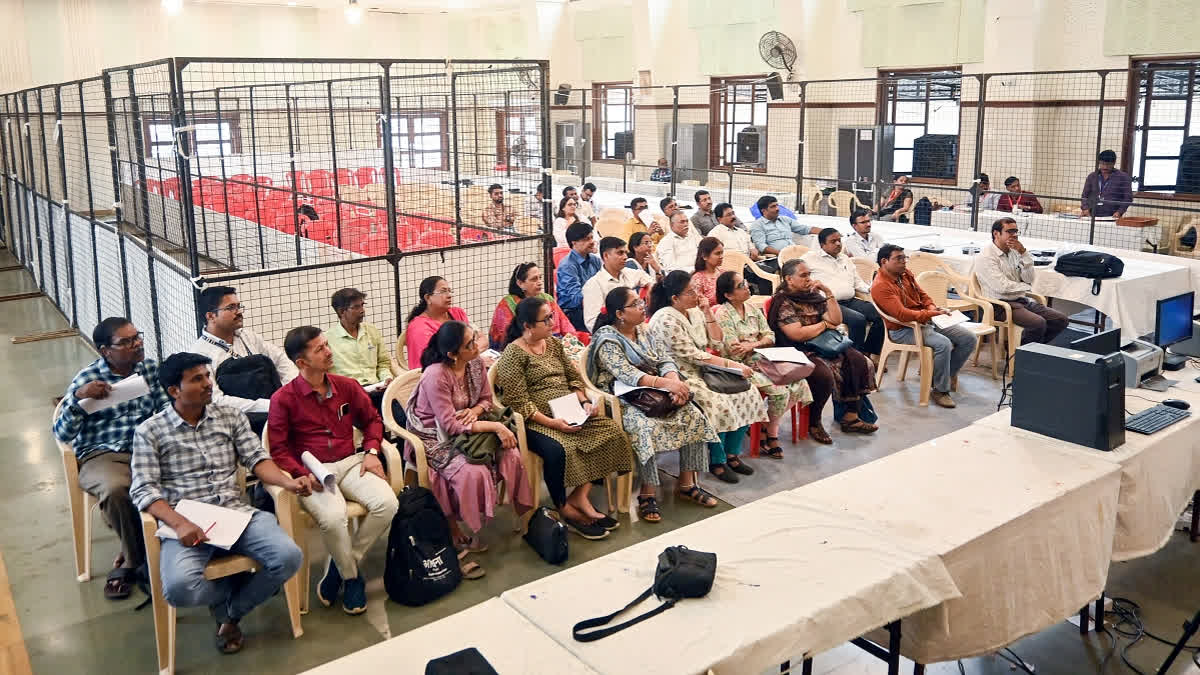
(751, 144)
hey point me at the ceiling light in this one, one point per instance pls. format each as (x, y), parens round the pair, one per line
(354, 13)
(172, 7)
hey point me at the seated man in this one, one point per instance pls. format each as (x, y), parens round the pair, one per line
(706, 218)
(989, 200)
(102, 439)
(677, 250)
(317, 413)
(580, 265)
(357, 346)
(896, 292)
(614, 273)
(774, 232)
(497, 215)
(662, 174)
(1017, 198)
(536, 208)
(1107, 191)
(641, 222)
(863, 243)
(190, 450)
(587, 207)
(833, 268)
(225, 338)
(1005, 271)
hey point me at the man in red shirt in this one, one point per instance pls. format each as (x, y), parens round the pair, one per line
(1017, 197)
(317, 413)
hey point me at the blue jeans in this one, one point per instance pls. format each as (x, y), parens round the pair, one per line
(951, 349)
(231, 598)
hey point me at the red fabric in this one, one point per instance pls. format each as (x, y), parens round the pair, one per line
(1025, 200)
(300, 421)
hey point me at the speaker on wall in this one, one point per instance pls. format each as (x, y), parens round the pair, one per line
(749, 146)
(935, 156)
(775, 86)
(622, 144)
(1187, 176)
(563, 94)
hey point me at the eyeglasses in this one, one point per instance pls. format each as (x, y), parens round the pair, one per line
(235, 307)
(444, 291)
(899, 258)
(549, 320)
(129, 341)
(1013, 231)
(636, 303)
(741, 285)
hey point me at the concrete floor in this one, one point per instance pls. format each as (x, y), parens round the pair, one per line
(70, 628)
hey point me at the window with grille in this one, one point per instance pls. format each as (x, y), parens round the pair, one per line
(1167, 96)
(209, 139)
(919, 103)
(613, 111)
(739, 104)
(419, 140)
(522, 132)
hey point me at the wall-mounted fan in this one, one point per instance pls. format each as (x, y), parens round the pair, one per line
(778, 51)
(526, 75)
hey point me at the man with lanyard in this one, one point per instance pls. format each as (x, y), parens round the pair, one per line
(1108, 191)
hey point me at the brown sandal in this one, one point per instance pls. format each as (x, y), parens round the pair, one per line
(818, 434)
(858, 427)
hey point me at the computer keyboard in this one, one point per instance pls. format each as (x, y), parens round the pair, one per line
(1154, 419)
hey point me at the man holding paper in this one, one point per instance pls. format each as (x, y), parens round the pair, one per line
(186, 456)
(357, 346)
(101, 408)
(897, 295)
(317, 413)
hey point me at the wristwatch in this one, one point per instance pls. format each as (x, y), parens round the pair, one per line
(373, 451)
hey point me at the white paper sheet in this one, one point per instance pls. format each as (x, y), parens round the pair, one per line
(568, 409)
(620, 388)
(371, 388)
(944, 321)
(784, 354)
(125, 390)
(222, 526)
(318, 469)
(731, 371)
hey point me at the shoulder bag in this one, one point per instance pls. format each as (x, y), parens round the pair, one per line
(830, 344)
(547, 536)
(783, 372)
(722, 381)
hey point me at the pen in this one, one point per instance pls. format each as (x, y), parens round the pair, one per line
(210, 527)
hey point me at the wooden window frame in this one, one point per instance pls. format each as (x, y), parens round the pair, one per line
(1138, 69)
(887, 111)
(442, 133)
(600, 126)
(231, 118)
(717, 141)
(504, 136)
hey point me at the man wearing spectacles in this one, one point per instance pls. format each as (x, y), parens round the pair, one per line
(225, 338)
(1005, 271)
(103, 439)
(863, 243)
(614, 273)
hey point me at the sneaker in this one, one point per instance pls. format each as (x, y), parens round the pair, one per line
(330, 585)
(355, 599)
(608, 523)
(586, 530)
(943, 399)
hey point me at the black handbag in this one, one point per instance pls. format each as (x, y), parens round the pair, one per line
(681, 573)
(465, 662)
(723, 381)
(830, 344)
(547, 536)
(652, 402)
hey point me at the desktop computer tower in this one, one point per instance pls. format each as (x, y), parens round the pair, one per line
(1070, 395)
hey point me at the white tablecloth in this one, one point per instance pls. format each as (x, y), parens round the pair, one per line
(1058, 228)
(1128, 300)
(792, 579)
(508, 642)
(1159, 472)
(1025, 530)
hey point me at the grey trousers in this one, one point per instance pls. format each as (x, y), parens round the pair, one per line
(951, 349)
(107, 477)
(692, 457)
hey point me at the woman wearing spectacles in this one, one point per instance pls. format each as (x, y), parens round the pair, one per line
(435, 308)
(623, 351)
(743, 329)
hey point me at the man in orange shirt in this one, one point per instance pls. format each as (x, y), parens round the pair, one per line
(896, 293)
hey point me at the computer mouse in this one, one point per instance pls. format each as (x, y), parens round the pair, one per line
(1176, 403)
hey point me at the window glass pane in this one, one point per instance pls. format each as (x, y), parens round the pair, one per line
(429, 160)
(1160, 172)
(943, 117)
(399, 125)
(742, 112)
(615, 113)
(910, 111)
(1137, 156)
(206, 132)
(760, 113)
(1163, 142)
(902, 161)
(617, 95)
(162, 151)
(160, 133)
(1163, 113)
(208, 149)
(227, 148)
(906, 134)
(1195, 130)
(427, 125)
(427, 142)
(1170, 83)
(610, 149)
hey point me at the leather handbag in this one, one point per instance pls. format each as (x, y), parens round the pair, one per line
(652, 402)
(465, 662)
(830, 344)
(547, 536)
(784, 372)
(722, 381)
(681, 573)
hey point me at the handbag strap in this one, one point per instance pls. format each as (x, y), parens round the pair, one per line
(601, 620)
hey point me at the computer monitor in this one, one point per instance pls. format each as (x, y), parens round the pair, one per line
(1173, 319)
(1100, 344)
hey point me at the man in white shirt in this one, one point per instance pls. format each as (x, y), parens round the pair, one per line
(989, 201)
(834, 269)
(863, 243)
(614, 273)
(677, 250)
(1005, 272)
(587, 207)
(224, 338)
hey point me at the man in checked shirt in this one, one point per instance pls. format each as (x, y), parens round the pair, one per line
(190, 450)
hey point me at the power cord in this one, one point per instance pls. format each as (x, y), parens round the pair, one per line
(1016, 661)
(1005, 385)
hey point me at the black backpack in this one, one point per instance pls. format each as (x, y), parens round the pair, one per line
(251, 377)
(1090, 264)
(923, 212)
(422, 564)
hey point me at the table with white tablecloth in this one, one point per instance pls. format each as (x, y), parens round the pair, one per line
(1056, 227)
(506, 639)
(1024, 527)
(793, 579)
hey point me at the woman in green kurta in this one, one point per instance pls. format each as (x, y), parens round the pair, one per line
(534, 370)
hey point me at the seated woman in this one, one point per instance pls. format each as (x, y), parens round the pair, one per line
(526, 282)
(897, 204)
(802, 309)
(449, 400)
(682, 322)
(534, 370)
(743, 329)
(564, 218)
(435, 308)
(622, 351)
(710, 253)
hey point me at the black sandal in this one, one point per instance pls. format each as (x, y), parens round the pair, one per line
(723, 472)
(735, 462)
(231, 642)
(698, 495)
(648, 509)
(119, 583)
(819, 435)
(765, 448)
